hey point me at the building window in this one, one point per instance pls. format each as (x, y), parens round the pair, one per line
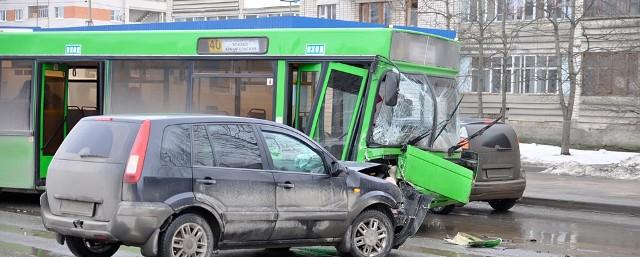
(378, 12)
(3, 15)
(515, 10)
(327, 11)
(116, 15)
(19, 15)
(611, 8)
(611, 74)
(38, 11)
(58, 12)
(528, 74)
(411, 13)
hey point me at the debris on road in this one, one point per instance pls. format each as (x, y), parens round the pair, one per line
(465, 239)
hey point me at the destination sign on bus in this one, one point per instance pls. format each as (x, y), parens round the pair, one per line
(232, 45)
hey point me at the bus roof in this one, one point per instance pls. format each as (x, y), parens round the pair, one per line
(284, 22)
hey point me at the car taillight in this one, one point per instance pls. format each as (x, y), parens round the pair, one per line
(136, 159)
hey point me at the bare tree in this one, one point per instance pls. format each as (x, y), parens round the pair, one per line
(560, 17)
(507, 38)
(441, 9)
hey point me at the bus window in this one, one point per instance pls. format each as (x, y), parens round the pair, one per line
(305, 84)
(246, 97)
(15, 95)
(238, 88)
(149, 86)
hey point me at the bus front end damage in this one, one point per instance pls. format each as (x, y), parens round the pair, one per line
(425, 180)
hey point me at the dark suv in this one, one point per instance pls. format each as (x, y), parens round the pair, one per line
(189, 185)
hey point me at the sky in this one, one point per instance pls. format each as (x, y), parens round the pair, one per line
(264, 3)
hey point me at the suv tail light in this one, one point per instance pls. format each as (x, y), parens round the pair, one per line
(136, 159)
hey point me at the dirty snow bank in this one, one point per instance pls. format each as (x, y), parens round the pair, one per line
(601, 163)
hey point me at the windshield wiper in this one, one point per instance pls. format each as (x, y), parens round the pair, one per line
(440, 126)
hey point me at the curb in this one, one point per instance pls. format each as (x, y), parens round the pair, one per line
(576, 205)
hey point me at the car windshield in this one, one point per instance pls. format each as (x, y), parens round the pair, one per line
(414, 113)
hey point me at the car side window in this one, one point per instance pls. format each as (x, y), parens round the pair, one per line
(203, 153)
(290, 154)
(176, 146)
(235, 146)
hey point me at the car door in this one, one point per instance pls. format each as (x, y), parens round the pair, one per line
(229, 176)
(311, 203)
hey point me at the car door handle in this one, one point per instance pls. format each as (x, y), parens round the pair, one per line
(286, 185)
(206, 181)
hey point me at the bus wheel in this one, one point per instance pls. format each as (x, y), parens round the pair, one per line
(443, 210)
(86, 248)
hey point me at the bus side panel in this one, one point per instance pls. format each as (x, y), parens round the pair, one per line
(17, 158)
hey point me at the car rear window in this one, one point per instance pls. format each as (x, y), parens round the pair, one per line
(99, 141)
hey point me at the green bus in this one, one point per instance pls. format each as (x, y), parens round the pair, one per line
(363, 91)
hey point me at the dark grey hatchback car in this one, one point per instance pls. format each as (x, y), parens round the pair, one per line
(190, 185)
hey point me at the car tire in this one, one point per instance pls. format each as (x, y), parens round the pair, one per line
(502, 205)
(365, 234)
(443, 210)
(192, 235)
(81, 247)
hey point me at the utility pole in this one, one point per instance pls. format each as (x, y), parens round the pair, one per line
(290, 5)
(48, 14)
(37, 13)
(90, 21)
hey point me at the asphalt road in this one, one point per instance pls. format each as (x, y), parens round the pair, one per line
(527, 231)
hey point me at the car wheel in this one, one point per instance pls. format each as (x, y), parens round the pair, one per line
(443, 210)
(189, 235)
(502, 205)
(87, 248)
(371, 235)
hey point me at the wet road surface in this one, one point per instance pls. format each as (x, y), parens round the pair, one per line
(526, 230)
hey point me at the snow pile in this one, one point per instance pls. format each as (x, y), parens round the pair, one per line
(601, 163)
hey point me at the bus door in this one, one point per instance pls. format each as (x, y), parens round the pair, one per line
(306, 78)
(53, 110)
(69, 92)
(335, 114)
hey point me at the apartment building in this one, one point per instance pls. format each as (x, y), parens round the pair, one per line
(203, 10)
(66, 13)
(607, 56)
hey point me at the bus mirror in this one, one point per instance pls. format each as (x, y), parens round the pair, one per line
(391, 85)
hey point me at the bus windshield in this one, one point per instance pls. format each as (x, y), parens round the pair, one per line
(420, 98)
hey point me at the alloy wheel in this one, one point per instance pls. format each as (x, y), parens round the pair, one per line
(189, 240)
(370, 237)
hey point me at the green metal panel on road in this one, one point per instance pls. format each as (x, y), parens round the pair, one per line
(17, 158)
(435, 175)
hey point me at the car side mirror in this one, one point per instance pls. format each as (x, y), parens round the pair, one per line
(336, 169)
(391, 87)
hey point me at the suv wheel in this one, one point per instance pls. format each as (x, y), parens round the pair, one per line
(86, 248)
(443, 210)
(502, 205)
(371, 235)
(189, 235)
